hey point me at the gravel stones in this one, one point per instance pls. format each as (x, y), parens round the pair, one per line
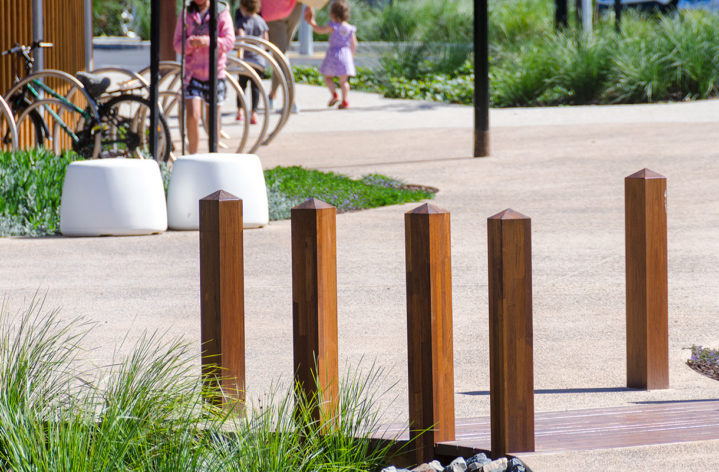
(477, 463)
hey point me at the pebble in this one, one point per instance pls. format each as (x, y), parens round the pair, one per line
(516, 465)
(433, 466)
(500, 465)
(457, 465)
(477, 462)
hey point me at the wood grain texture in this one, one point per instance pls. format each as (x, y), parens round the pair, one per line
(429, 327)
(510, 333)
(647, 280)
(168, 19)
(314, 302)
(64, 26)
(598, 428)
(222, 292)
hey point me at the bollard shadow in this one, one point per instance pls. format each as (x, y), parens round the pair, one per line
(660, 402)
(551, 391)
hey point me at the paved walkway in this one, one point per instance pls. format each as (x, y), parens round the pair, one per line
(563, 167)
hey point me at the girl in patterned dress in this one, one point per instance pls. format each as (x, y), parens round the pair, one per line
(338, 60)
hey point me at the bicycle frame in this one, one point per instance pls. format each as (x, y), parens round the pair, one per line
(61, 98)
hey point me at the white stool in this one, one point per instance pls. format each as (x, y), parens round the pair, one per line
(113, 197)
(198, 175)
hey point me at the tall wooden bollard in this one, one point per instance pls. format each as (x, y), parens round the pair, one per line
(222, 289)
(429, 328)
(314, 302)
(511, 370)
(647, 293)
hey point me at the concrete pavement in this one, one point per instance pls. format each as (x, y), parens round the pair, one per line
(563, 167)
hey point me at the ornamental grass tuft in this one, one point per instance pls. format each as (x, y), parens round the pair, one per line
(674, 56)
(150, 410)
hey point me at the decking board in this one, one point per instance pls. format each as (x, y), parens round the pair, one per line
(601, 428)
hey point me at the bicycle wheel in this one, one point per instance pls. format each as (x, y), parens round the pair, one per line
(228, 126)
(52, 125)
(235, 65)
(8, 130)
(125, 130)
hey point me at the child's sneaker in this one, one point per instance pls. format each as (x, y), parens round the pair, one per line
(333, 101)
(344, 104)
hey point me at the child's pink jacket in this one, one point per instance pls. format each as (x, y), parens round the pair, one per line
(197, 59)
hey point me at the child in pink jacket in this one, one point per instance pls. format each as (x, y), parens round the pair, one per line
(197, 57)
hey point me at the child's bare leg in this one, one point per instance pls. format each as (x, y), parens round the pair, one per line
(330, 82)
(344, 86)
(192, 107)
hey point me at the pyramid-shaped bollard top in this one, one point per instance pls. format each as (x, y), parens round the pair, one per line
(220, 196)
(313, 204)
(646, 174)
(509, 214)
(427, 209)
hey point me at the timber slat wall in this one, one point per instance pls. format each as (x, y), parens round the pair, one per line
(64, 28)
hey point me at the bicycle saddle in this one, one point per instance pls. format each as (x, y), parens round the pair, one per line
(94, 84)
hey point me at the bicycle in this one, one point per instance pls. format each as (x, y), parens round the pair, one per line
(7, 126)
(104, 126)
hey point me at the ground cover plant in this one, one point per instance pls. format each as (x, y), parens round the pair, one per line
(149, 410)
(705, 361)
(31, 189)
(290, 186)
(653, 57)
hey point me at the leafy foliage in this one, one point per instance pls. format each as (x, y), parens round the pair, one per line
(30, 191)
(654, 58)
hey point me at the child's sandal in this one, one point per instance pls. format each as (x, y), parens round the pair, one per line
(344, 104)
(333, 101)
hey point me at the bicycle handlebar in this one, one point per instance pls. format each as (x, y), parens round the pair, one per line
(24, 50)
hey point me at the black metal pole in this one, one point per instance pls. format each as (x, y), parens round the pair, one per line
(560, 14)
(154, 72)
(481, 79)
(617, 15)
(212, 119)
(182, 82)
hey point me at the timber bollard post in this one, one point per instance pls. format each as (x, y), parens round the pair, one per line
(510, 333)
(429, 328)
(645, 216)
(222, 294)
(314, 304)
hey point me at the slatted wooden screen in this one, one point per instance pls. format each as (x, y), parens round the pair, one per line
(64, 27)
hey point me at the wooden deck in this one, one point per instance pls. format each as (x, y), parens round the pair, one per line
(648, 423)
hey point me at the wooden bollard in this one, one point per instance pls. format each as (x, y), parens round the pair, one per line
(647, 292)
(511, 370)
(314, 303)
(429, 328)
(222, 290)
